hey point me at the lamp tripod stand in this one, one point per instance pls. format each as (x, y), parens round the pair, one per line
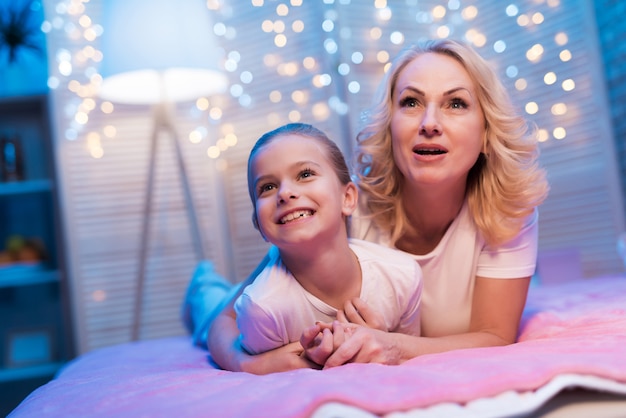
(162, 123)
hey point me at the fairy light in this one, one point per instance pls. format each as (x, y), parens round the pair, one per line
(531, 108)
(537, 18)
(439, 12)
(195, 136)
(561, 39)
(213, 152)
(523, 20)
(542, 135)
(230, 139)
(283, 22)
(73, 72)
(559, 133)
(445, 19)
(549, 78)
(470, 13)
(568, 85)
(559, 109)
(275, 96)
(294, 116)
(202, 103)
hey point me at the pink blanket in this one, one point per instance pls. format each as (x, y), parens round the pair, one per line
(578, 328)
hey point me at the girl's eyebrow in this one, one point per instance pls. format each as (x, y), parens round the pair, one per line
(297, 164)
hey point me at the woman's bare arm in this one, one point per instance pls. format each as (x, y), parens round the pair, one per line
(497, 309)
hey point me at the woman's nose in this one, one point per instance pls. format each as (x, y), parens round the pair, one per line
(430, 125)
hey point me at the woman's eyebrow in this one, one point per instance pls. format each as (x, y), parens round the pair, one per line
(445, 93)
(455, 90)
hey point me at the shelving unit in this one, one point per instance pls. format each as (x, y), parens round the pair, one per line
(35, 331)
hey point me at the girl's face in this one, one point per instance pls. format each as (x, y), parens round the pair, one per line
(437, 124)
(298, 195)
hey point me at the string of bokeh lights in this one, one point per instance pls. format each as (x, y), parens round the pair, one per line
(76, 64)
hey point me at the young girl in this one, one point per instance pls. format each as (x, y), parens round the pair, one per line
(302, 195)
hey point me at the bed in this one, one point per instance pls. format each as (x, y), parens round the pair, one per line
(571, 349)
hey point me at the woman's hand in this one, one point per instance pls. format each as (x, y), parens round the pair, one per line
(364, 345)
(357, 311)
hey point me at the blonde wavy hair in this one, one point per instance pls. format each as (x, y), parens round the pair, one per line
(503, 187)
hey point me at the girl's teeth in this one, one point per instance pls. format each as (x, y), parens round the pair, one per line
(295, 215)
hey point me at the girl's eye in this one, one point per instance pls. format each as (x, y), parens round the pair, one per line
(305, 174)
(266, 188)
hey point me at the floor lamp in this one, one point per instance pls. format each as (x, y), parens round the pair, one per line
(159, 53)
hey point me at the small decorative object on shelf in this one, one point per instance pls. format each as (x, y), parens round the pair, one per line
(22, 250)
(11, 159)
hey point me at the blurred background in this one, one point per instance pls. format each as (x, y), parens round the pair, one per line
(88, 157)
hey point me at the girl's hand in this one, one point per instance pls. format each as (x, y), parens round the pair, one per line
(317, 342)
(285, 358)
(322, 339)
(357, 311)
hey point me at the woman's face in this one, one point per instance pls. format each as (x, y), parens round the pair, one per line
(437, 124)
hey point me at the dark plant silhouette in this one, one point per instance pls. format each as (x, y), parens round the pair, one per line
(18, 30)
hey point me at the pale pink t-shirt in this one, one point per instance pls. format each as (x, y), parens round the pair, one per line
(275, 308)
(450, 270)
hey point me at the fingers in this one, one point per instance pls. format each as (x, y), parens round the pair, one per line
(339, 336)
(323, 347)
(307, 339)
(343, 354)
(367, 315)
(341, 316)
(323, 325)
(351, 312)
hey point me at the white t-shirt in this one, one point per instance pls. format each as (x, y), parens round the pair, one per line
(450, 270)
(275, 308)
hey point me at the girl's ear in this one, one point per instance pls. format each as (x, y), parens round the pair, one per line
(255, 222)
(350, 199)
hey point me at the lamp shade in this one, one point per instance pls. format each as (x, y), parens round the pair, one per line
(157, 51)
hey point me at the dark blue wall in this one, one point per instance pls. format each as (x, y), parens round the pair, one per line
(610, 16)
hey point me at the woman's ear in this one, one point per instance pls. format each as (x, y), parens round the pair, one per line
(350, 199)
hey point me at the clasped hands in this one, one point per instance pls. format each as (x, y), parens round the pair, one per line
(333, 344)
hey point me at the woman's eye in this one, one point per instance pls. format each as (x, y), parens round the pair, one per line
(458, 104)
(408, 102)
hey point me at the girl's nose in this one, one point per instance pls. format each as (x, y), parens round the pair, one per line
(286, 192)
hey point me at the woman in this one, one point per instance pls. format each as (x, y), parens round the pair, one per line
(448, 173)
